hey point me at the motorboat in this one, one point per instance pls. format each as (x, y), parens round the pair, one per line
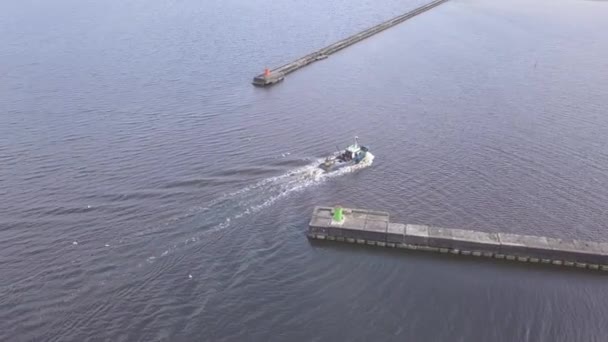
(351, 155)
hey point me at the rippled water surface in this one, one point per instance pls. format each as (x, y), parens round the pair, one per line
(149, 193)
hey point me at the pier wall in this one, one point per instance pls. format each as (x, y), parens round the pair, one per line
(277, 74)
(374, 228)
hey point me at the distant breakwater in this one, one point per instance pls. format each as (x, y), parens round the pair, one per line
(273, 76)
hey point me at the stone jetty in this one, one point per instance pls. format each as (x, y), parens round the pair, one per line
(270, 77)
(369, 227)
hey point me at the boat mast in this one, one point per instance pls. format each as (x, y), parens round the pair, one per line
(356, 141)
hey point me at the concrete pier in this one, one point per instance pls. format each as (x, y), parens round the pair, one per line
(278, 74)
(374, 228)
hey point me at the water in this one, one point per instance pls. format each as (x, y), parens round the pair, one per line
(149, 193)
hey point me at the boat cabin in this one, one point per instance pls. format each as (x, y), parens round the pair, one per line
(353, 152)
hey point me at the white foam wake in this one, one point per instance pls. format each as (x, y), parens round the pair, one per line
(263, 194)
(266, 192)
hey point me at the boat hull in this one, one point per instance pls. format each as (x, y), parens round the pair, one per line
(334, 163)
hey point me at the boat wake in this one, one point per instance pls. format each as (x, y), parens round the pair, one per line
(266, 192)
(251, 199)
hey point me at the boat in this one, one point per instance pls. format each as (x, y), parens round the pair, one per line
(351, 155)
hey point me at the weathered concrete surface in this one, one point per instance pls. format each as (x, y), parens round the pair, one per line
(374, 228)
(583, 251)
(395, 233)
(320, 221)
(358, 224)
(276, 75)
(440, 238)
(266, 80)
(521, 245)
(416, 235)
(473, 240)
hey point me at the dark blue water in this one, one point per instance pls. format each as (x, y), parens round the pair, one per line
(149, 193)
